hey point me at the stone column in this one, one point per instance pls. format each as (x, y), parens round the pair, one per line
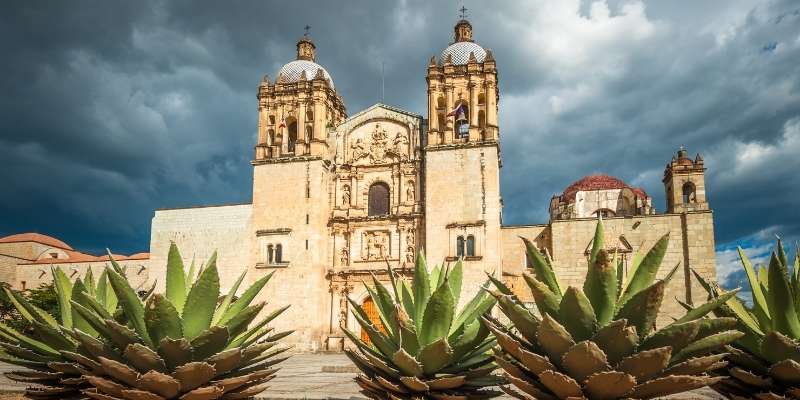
(433, 116)
(449, 127)
(301, 129)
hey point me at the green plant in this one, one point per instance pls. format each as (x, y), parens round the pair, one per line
(181, 344)
(427, 349)
(765, 362)
(46, 319)
(600, 342)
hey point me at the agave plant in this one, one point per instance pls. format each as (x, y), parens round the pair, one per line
(182, 344)
(600, 342)
(422, 347)
(765, 363)
(53, 374)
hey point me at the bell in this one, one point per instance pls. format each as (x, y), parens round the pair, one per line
(461, 118)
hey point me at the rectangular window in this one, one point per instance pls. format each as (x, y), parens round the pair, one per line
(307, 219)
(306, 244)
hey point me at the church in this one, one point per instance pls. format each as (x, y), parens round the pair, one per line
(337, 196)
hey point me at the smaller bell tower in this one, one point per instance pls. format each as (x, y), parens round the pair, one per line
(685, 183)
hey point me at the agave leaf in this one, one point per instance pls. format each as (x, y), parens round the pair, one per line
(244, 337)
(554, 338)
(29, 311)
(576, 314)
(143, 358)
(131, 304)
(481, 303)
(759, 301)
(501, 287)
(438, 315)
(776, 347)
(246, 299)
(702, 310)
(734, 306)
(53, 336)
(600, 285)
(642, 308)
(211, 341)
(121, 335)
(226, 302)
(241, 321)
(437, 273)
(584, 359)
(469, 338)
(780, 300)
(406, 363)
(609, 385)
(384, 305)
(711, 326)
(546, 300)
(78, 321)
(175, 352)
(201, 301)
(706, 344)
(378, 339)
(616, 340)
(176, 280)
(646, 272)
(407, 299)
(455, 278)
(97, 325)
(525, 322)
(676, 335)
(435, 356)
(541, 267)
(421, 286)
(63, 288)
(162, 318)
(406, 331)
(644, 365)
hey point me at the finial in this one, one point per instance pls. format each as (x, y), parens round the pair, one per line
(306, 28)
(448, 59)
(463, 14)
(432, 63)
(472, 58)
(303, 76)
(489, 56)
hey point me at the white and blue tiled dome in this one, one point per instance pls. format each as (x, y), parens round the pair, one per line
(292, 71)
(459, 52)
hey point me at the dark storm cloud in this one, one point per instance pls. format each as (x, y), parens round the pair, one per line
(113, 109)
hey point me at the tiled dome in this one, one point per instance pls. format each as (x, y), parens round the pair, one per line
(597, 182)
(292, 70)
(459, 52)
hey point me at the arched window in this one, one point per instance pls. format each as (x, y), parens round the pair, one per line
(272, 120)
(270, 254)
(309, 133)
(481, 98)
(292, 136)
(460, 247)
(378, 199)
(309, 116)
(470, 246)
(689, 195)
(481, 119)
(278, 254)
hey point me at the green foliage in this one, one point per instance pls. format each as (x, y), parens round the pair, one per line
(601, 342)
(422, 346)
(766, 360)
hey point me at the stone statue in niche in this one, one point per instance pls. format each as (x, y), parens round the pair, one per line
(410, 193)
(375, 245)
(345, 258)
(410, 254)
(346, 195)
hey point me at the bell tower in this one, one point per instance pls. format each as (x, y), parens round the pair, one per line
(685, 183)
(295, 111)
(462, 158)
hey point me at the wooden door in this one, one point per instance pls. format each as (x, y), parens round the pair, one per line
(372, 312)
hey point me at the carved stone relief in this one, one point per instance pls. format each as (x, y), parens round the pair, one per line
(375, 245)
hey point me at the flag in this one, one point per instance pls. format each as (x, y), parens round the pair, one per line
(282, 124)
(459, 109)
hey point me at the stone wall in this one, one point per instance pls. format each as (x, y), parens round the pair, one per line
(691, 243)
(198, 232)
(34, 275)
(291, 207)
(462, 197)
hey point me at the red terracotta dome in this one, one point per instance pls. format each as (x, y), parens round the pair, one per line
(35, 237)
(597, 182)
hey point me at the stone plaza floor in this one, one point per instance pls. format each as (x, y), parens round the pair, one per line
(322, 376)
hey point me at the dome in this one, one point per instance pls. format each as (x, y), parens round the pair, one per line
(597, 182)
(37, 238)
(292, 70)
(459, 52)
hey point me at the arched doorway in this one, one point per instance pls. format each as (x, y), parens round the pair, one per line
(372, 313)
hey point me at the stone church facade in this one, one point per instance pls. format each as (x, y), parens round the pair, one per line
(337, 198)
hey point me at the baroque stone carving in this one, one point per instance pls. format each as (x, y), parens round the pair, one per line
(380, 147)
(375, 245)
(346, 195)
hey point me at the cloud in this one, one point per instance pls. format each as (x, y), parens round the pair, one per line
(109, 113)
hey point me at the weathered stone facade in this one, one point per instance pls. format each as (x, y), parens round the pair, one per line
(336, 199)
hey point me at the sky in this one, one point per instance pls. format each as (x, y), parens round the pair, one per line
(113, 109)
